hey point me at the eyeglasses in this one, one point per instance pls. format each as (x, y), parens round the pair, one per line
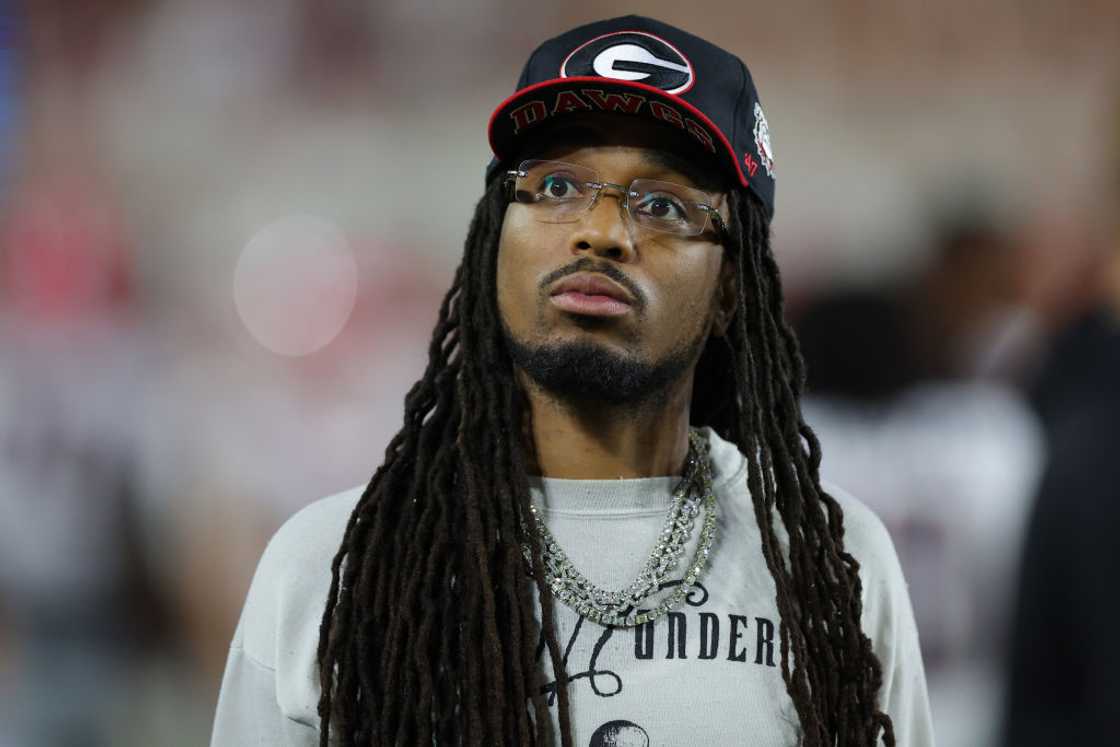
(561, 192)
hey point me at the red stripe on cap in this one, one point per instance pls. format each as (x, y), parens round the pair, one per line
(570, 82)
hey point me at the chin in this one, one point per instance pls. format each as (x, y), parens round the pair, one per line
(588, 371)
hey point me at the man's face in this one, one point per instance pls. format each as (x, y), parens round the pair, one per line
(678, 286)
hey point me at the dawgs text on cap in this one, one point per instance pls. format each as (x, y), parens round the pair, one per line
(642, 67)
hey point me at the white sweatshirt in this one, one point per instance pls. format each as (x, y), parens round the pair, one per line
(706, 674)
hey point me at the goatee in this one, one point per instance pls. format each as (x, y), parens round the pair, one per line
(590, 373)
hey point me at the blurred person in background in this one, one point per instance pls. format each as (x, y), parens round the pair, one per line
(905, 395)
(230, 451)
(78, 598)
(1064, 670)
(427, 626)
(79, 605)
(968, 312)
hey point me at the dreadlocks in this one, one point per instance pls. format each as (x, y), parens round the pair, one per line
(429, 632)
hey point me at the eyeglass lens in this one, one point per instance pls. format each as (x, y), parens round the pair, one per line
(560, 192)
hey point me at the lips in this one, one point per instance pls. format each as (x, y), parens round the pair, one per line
(592, 284)
(591, 294)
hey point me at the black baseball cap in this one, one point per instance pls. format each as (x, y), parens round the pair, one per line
(637, 66)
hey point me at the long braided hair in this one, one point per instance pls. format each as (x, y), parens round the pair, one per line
(429, 633)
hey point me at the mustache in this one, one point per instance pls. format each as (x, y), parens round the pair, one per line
(586, 264)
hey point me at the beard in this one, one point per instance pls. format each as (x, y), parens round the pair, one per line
(586, 372)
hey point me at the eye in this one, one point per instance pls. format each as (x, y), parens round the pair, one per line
(663, 207)
(558, 186)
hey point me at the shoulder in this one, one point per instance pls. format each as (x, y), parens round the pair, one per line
(729, 466)
(863, 529)
(888, 620)
(315, 531)
(272, 663)
(867, 540)
(289, 589)
(865, 535)
(887, 609)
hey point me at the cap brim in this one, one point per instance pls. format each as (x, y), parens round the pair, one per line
(550, 100)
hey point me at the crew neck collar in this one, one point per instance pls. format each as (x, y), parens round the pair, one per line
(631, 495)
(628, 495)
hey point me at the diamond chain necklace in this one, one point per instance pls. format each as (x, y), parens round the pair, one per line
(622, 607)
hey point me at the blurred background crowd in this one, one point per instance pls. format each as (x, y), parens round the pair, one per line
(225, 229)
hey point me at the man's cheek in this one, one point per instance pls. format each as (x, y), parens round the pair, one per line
(516, 222)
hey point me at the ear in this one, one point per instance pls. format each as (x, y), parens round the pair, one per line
(726, 300)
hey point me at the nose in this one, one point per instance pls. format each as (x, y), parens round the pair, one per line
(605, 228)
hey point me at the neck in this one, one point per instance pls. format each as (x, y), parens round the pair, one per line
(580, 441)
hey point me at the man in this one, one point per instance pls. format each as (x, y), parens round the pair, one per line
(602, 522)
(1063, 670)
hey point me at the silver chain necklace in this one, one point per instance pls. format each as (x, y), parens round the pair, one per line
(624, 607)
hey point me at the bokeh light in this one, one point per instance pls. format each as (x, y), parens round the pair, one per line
(295, 284)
